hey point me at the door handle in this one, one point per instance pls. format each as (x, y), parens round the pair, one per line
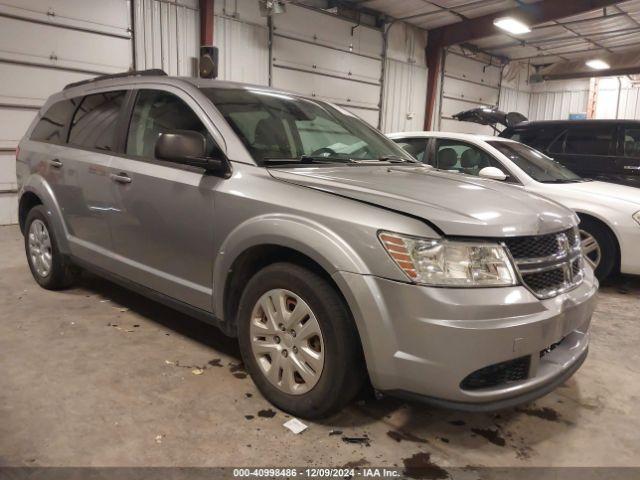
(631, 167)
(120, 177)
(55, 163)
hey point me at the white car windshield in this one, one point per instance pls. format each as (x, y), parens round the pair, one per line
(535, 164)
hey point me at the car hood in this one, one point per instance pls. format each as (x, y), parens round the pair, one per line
(456, 204)
(595, 190)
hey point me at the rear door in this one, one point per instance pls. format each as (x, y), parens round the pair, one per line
(627, 160)
(86, 160)
(588, 150)
(163, 222)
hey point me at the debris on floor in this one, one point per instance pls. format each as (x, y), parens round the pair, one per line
(295, 425)
(160, 437)
(364, 440)
(197, 371)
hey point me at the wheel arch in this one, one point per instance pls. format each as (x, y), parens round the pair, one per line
(37, 191)
(264, 240)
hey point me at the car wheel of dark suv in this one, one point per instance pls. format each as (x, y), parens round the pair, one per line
(298, 341)
(48, 266)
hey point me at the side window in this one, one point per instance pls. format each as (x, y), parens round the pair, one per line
(94, 124)
(416, 147)
(51, 127)
(538, 138)
(588, 140)
(157, 112)
(632, 142)
(558, 144)
(454, 155)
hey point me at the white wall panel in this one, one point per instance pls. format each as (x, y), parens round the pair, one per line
(44, 46)
(467, 83)
(321, 55)
(405, 90)
(243, 51)
(167, 36)
(326, 29)
(405, 79)
(336, 90)
(24, 41)
(106, 16)
(557, 105)
(512, 100)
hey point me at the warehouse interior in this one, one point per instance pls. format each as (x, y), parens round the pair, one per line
(97, 376)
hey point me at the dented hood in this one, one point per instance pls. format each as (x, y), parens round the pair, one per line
(456, 204)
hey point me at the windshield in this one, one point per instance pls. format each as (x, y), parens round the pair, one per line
(535, 164)
(278, 128)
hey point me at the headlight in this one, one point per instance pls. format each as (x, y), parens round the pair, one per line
(450, 263)
(636, 217)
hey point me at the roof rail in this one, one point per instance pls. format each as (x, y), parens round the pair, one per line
(132, 73)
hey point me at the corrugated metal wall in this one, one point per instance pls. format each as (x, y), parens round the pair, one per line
(242, 36)
(405, 79)
(167, 35)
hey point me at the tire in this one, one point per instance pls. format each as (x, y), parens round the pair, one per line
(54, 271)
(328, 385)
(606, 245)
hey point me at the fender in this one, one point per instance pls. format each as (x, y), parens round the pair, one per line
(312, 239)
(39, 186)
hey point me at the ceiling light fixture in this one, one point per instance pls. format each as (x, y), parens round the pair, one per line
(597, 64)
(512, 25)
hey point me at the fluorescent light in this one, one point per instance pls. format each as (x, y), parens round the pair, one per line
(511, 25)
(598, 64)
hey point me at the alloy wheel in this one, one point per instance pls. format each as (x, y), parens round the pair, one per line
(40, 251)
(590, 249)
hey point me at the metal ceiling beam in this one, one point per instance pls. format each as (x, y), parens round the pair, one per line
(604, 36)
(532, 14)
(587, 50)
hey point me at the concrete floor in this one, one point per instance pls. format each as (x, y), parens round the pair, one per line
(99, 376)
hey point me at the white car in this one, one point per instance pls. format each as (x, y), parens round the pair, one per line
(609, 213)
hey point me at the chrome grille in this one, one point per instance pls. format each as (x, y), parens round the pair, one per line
(548, 264)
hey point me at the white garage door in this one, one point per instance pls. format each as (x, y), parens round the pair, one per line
(317, 54)
(44, 46)
(467, 83)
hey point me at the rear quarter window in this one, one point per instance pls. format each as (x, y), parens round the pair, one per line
(52, 125)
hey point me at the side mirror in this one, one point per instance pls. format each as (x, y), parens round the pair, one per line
(493, 173)
(189, 148)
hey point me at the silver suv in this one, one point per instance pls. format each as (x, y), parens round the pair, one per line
(331, 254)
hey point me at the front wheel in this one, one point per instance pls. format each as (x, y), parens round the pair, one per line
(599, 247)
(298, 341)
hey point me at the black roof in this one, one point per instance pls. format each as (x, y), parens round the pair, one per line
(568, 123)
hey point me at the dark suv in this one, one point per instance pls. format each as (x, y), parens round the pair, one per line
(607, 150)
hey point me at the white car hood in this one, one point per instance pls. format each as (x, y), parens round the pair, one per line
(593, 191)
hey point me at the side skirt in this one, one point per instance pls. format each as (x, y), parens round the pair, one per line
(226, 327)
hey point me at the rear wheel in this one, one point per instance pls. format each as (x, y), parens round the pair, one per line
(298, 341)
(48, 266)
(599, 247)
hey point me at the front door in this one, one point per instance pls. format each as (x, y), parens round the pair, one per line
(163, 224)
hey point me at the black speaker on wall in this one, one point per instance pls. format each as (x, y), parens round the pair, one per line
(208, 62)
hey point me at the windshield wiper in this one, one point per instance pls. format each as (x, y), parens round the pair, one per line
(397, 158)
(304, 160)
(561, 180)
